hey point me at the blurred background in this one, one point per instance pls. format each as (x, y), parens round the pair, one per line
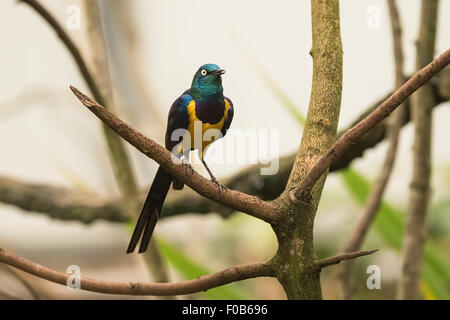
(153, 50)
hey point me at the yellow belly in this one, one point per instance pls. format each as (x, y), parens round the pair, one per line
(198, 139)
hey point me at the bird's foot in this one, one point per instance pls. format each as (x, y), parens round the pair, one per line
(187, 165)
(219, 185)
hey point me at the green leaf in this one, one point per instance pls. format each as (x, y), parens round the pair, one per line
(190, 269)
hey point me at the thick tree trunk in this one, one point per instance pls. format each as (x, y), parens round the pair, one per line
(295, 260)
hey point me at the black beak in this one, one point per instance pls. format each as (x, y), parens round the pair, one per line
(217, 72)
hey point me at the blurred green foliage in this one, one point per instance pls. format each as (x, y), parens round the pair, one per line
(389, 224)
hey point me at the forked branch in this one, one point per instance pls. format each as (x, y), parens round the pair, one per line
(394, 125)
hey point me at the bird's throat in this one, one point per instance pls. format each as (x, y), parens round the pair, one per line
(207, 93)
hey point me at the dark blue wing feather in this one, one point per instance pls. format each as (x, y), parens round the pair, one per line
(178, 118)
(227, 122)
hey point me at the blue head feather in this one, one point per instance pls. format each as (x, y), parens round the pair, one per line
(207, 83)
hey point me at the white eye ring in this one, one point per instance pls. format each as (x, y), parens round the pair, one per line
(203, 72)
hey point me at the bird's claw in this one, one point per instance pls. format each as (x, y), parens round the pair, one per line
(219, 185)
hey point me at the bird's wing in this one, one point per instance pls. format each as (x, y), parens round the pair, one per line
(178, 118)
(229, 116)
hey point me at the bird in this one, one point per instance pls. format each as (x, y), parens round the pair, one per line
(203, 104)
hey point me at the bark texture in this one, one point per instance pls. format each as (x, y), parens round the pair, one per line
(295, 258)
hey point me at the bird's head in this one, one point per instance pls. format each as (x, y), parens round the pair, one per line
(208, 81)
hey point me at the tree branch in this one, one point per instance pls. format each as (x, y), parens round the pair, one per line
(395, 121)
(67, 204)
(345, 256)
(63, 203)
(302, 192)
(34, 294)
(441, 93)
(101, 88)
(326, 92)
(239, 201)
(295, 254)
(422, 102)
(120, 162)
(69, 44)
(202, 283)
(119, 158)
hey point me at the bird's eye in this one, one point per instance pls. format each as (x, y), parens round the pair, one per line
(203, 72)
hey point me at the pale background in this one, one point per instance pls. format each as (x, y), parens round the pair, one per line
(47, 137)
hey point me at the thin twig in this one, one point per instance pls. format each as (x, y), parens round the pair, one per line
(422, 102)
(6, 296)
(62, 203)
(70, 45)
(138, 96)
(379, 133)
(120, 162)
(124, 175)
(202, 283)
(341, 257)
(302, 192)
(394, 126)
(34, 294)
(239, 201)
(119, 158)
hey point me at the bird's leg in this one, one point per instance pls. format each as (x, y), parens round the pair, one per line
(187, 165)
(213, 179)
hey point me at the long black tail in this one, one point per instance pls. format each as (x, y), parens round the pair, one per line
(151, 210)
